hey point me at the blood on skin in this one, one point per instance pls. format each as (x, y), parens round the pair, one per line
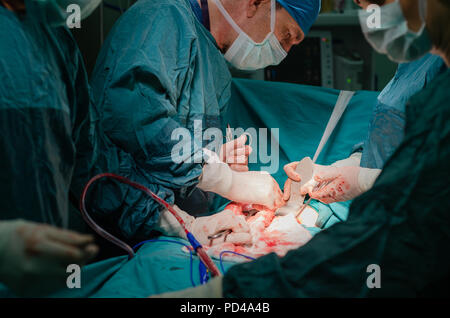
(263, 241)
(239, 249)
(246, 207)
(235, 208)
(267, 216)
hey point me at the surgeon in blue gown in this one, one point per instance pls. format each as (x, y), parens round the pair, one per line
(164, 69)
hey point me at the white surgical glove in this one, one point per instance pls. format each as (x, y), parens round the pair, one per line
(235, 153)
(202, 227)
(342, 181)
(353, 161)
(34, 257)
(252, 187)
(213, 289)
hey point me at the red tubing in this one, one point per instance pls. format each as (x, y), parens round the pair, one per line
(95, 226)
(200, 252)
(208, 262)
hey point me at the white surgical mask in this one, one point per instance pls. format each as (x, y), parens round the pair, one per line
(245, 54)
(393, 37)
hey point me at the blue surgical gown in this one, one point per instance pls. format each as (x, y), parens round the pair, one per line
(159, 70)
(44, 128)
(386, 129)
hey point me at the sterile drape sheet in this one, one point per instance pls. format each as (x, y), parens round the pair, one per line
(300, 113)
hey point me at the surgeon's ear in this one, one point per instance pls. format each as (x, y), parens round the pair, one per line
(253, 6)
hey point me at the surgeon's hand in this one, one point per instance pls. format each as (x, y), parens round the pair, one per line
(235, 153)
(204, 227)
(251, 187)
(34, 257)
(333, 184)
(339, 183)
(292, 176)
(257, 188)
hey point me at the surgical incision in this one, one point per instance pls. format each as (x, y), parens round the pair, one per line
(270, 233)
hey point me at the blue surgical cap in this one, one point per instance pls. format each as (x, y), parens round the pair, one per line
(305, 12)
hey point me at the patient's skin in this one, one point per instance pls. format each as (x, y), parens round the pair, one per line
(270, 233)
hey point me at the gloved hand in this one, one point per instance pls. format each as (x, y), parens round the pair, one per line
(333, 184)
(342, 181)
(290, 170)
(235, 153)
(292, 176)
(202, 227)
(34, 257)
(212, 289)
(252, 187)
(339, 183)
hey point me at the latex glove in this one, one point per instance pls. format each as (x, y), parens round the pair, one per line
(202, 227)
(34, 257)
(339, 183)
(235, 153)
(353, 160)
(252, 187)
(212, 289)
(292, 176)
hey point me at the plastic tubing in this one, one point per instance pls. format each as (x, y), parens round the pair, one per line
(195, 244)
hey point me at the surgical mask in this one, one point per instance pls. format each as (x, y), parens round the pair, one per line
(54, 12)
(247, 55)
(393, 36)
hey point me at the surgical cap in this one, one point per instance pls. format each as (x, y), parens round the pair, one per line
(305, 12)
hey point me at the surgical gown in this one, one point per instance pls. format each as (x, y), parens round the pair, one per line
(388, 123)
(159, 71)
(44, 101)
(402, 224)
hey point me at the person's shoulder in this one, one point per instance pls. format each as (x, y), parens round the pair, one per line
(155, 18)
(159, 8)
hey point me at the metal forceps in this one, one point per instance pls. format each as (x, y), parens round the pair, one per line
(308, 201)
(227, 232)
(219, 234)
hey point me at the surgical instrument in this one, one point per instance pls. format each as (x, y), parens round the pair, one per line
(218, 235)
